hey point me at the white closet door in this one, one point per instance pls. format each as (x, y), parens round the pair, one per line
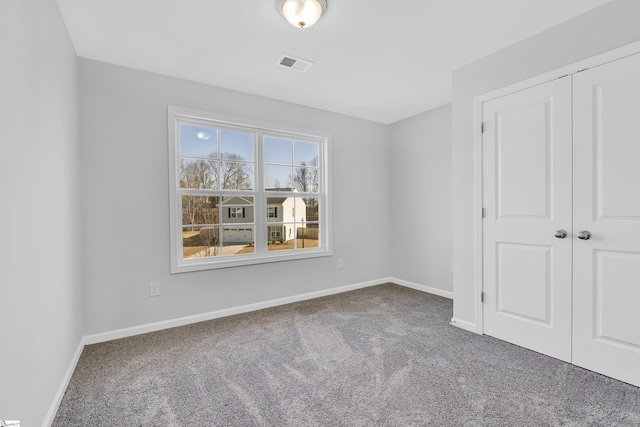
(527, 197)
(606, 301)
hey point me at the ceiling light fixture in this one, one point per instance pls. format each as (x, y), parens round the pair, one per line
(302, 13)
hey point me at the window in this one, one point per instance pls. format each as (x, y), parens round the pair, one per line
(236, 212)
(276, 233)
(244, 192)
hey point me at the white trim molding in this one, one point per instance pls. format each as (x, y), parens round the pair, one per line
(463, 324)
(187, 320)
(53, 410)
(478, 206)
(422, 288)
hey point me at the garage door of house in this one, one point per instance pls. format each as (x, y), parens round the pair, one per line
(237, 235)
(561, 232)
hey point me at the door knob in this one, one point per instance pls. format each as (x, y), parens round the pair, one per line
(561, 234)
(584, 235)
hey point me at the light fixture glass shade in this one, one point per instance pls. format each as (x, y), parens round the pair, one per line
(302, 13)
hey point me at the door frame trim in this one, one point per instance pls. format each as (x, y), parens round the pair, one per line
(594, 61)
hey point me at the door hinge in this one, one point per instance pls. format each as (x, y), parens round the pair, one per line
(482, 127)
(482, 296)
(484, 212)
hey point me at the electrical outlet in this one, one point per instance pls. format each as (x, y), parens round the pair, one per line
(340, 263)
(154, 289)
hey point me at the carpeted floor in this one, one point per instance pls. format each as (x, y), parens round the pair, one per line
(380, 356)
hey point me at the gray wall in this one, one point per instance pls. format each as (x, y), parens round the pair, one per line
(420, 199)
(609, 26)
(40, 292)
(123, 127)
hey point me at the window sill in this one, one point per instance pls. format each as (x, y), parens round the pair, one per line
(185, 266)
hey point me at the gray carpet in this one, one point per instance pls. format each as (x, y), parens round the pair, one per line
(380, 356)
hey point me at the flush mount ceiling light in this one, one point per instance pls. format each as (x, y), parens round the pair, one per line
(302, 13)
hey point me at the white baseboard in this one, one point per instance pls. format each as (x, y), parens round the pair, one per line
(172, 323)
(463, 324)
(182, 321)
(53, 410)
(423, 288)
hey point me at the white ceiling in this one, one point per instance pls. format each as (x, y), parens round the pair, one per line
(374, 59)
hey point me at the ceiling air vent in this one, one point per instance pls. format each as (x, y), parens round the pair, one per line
(294, 63)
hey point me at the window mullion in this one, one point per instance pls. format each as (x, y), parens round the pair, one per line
(261, 205)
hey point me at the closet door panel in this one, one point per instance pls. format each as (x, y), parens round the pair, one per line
(606, 285)
(527, 197)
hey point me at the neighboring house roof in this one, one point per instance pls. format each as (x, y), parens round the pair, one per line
(280, 200)
(276, 200)
(279, 189)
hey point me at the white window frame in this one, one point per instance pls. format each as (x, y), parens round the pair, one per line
(177, 115)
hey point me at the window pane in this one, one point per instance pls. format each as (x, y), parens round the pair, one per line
(277, 150)
(236, 175)
(307, 236)
(201, 174)
(198, 141)
(200, 210)
(236, 145)
(237, 240)
(237, 210)
(306, 209)
(283, 208)
(300, 209)
(277, 178)
(305, 153)
(200, 242)
(306, 180)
